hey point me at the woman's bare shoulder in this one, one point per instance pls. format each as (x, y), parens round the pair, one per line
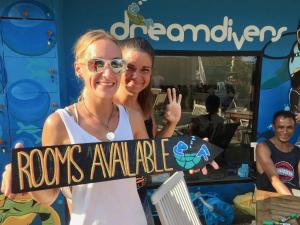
(53, 121)
(54, 131)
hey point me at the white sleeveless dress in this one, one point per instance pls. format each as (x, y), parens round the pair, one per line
(110, 202)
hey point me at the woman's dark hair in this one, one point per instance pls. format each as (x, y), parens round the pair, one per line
(284, 114)
(145, 98)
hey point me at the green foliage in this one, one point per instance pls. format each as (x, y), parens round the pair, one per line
(138, 19)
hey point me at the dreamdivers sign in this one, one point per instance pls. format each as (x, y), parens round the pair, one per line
(176, 32)
(67, 165)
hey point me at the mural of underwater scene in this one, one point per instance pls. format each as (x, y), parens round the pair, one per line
(27, 9)
(24, 211)
(28, 37)
(29, 91)
(28, 110)
(275, 84)
(26, 124)
(3, 76)
(4, 124)
(41, 70)
(30, 97)
(294, 60)
(27, 137)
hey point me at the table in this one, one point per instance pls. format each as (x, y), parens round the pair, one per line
(245, 118)
(215, 177)
(239, 114)
(271, 205)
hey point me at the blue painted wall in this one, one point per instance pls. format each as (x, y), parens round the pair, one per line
(67, 21)
(30, 75)
(36, 73)
(275, 73)
(29, 91)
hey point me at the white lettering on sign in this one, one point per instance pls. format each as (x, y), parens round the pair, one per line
(176, 32)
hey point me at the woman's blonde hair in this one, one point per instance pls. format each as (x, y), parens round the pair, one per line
(89, 38)
(84, 41)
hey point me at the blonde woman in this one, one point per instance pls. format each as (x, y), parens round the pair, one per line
(95, 118)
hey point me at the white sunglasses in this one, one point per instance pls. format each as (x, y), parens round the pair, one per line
(97, 65)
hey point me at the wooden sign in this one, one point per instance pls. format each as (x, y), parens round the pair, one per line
(66, 165)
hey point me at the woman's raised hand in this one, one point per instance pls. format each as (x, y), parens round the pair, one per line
(173, 109)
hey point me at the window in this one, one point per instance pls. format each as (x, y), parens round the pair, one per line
(231, 78)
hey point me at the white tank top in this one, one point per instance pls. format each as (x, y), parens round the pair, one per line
(110, 202)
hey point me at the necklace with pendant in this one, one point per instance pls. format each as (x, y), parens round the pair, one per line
(110, 135)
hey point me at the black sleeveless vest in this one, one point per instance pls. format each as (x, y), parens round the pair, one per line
(287, 168)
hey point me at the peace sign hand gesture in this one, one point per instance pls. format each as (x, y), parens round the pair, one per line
(173, 109)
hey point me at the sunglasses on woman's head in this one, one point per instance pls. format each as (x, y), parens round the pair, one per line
(97, 65)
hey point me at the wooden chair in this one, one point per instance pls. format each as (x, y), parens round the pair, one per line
(159, 100)
(173, 203)
(199, 110)
(156, 91)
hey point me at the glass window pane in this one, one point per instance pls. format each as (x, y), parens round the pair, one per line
(230, 78)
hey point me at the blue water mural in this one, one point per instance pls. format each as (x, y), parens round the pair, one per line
(27, 137)
(3, 76)
(274, 73)
(280, 60)
(28, 9)
(38, 36)
(294, 60)
(31, 42)
(29, 92)
(25, 94)
(42, 70)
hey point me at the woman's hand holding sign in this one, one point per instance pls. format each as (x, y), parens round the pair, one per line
(6, 188)
(214, 164)
(6, 181)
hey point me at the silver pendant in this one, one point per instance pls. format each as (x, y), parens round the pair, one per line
(110, 136)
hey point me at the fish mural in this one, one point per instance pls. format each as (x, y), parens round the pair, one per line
(23, 210)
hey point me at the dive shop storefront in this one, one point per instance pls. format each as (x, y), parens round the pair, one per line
(245, 52)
